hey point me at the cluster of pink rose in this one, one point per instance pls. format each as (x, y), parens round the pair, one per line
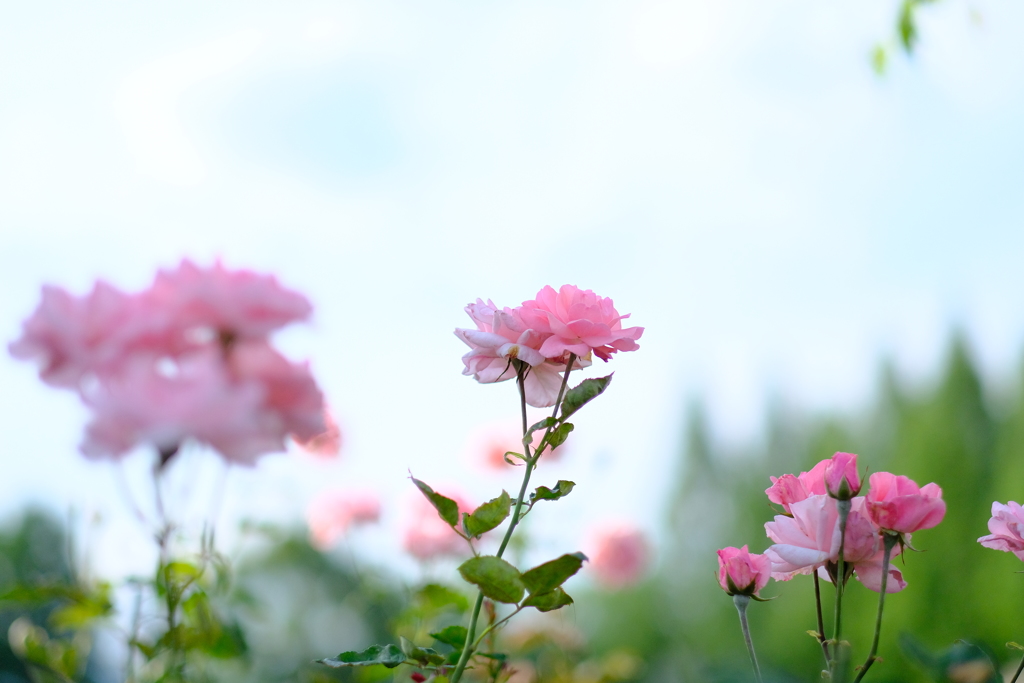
(189, 358)
(542, 333)
(808, 536)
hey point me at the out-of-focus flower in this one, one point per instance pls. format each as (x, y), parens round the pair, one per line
(789, 489)
(742, 573)
(187, 359)
(811, 538)
(427, 536)
(489, 444)
(1006, 525)
(326, 444)
(896, 503)
(841, 478)
(619, 554)
(574, 320)
(231, 303)
(500, 338)
(333, 513)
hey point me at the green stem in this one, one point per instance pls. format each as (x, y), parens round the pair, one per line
(741, 602)
(521, 370)
(890, 541)
(821, 621)
(1019, 669)
(844, 513)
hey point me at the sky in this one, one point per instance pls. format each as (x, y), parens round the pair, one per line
(731, 173)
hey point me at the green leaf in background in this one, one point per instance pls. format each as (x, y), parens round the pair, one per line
(962, 662)
(434, 597)
(557, 436)
(907, 25)
(388, 655)
(546, 602)
(496, 578)
(487, 516)
(587, 391)
(562, 489)
(550, 575)
(446, 508)
(451, 635)
(423, 655)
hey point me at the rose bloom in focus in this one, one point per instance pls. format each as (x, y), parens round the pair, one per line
(619, 554)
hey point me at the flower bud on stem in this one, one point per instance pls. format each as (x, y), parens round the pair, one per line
(741, 601)
(891, 538)
(521, 370)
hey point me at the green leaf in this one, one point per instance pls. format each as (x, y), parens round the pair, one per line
(487, 516)
(422, 655)
(499, 656)
(546, 423)
(907, 25)
(447, 509)
(550, 575)
(451, 635)
(561, 490)
(879, 60)
(434, 597)
(496, 578)
(388, 655)
(546, 602)
(587, 391)
(557, 436)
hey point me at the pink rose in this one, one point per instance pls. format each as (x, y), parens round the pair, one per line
(1006, 525)
(574, 320)
(230, 303)
(841, 478)
(501, 337)
(326, 444)
(897, 504)
(740, 572)
(619, 554)
(333, 513)
(789, 489)
(811, 538)
(427, 536)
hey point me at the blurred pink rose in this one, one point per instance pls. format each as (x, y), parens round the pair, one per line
(231, 303)
(743, 573)
(619, 554)
(810, 540)
(332, 513)
(578, 321)
(1006, 525)
(841, 477)
(789, 489)
(185, 359)
(501, 337)
(897, 503)
(427, 536)
(326, 444)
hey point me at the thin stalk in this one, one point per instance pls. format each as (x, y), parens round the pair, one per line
(844, 513)
(1020, 668)
(890, 541)
(531, 461)
(741, 602)
(821, 622)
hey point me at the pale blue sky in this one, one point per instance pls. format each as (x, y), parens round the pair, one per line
(730, 172)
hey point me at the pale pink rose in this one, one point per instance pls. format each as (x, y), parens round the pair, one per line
(743, 573)
(841, 478)
(789, 489)
(427, 536)
(230, 303)
(574, 320)
(332, 513)
(72, 337)
(326, 444)
(197, 400)
(619, 554)
(897, 503)
(501, 337)
(489, 444)
(291, 397)
(811, 538)
(1006, 525)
